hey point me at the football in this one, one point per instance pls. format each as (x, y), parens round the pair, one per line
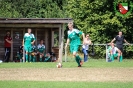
(59, 65)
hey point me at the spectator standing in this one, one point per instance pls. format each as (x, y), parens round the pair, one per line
(8, 42)
(120, 39)
(85, 47)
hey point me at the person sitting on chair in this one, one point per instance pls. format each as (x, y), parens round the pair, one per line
(41, 50)
(47, 58)
(115, 52)
(33, 53)
(53, 57)
(21, 53)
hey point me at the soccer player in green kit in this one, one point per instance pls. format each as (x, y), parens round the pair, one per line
(28, 40)
(74, 39)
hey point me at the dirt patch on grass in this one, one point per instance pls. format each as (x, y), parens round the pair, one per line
(67, 74)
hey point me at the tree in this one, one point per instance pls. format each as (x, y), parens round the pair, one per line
(8, 10)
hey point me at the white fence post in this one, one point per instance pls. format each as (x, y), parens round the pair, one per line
(65, 54)
(106, 53)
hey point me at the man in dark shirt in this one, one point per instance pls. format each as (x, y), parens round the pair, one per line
(8, 42)
(119, 41)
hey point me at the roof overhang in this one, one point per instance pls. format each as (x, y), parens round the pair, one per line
(34, 20)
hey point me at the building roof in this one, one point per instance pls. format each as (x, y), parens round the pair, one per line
(34, 20)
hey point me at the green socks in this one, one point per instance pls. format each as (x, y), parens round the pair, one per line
(29, 58)
(120, 59)
(26, 57)
(34, 59)
(112, 57)
(78, 59)
(40, 59)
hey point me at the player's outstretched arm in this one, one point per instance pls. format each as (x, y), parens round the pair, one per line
(113, 40)
(33, 42)
(83, 35)
(90, 43)
(126, 42)
(86, 42)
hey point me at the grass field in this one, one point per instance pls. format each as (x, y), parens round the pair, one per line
(60, 84)
(99, 63)
(93, 74)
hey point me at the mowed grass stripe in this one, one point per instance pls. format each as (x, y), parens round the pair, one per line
(61, 84)
(90, 64)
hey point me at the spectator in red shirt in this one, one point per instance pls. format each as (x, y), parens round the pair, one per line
(8, 42)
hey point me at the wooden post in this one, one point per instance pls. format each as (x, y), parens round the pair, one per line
(52, 40)
(23, 48)
(59, 59)
(65, 54)
(36, 37)
(46, 41)
(11, 57)
(106, 53)
(61, 38)
(62, 42)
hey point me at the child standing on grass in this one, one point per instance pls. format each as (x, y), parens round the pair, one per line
(74, 39)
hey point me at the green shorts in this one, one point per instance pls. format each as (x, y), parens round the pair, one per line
(28, 48)
(74, 48)
(115, 55)
(47, 59)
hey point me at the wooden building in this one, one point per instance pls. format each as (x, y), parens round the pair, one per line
(51, 30)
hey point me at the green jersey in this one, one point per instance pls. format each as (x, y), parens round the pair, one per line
(28, 38)
(41, 48)
(34, 48)
(74, 37)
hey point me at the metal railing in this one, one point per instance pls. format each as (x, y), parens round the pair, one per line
(104, 50)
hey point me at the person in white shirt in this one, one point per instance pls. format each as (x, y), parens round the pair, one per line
(115, 52)
(85, 47)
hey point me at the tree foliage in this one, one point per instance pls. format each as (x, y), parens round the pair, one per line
(97, 17)
(32, 8)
